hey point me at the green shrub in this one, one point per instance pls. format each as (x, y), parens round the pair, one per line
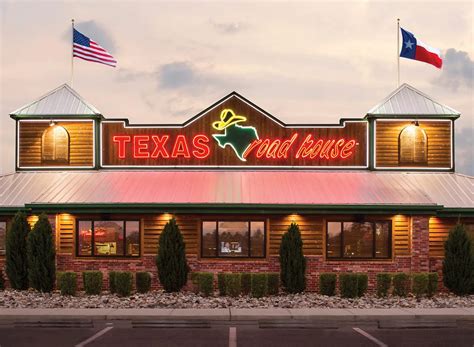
(258, 285)
(420, 284)
(16, 261)
(432, 283)
(246, 283)
(206, 283)
(143, 281)
(221, 283)
(233, 284)
(41, 256)
(2, 281)
(124, 283)
(273, 284)
(458, 263)
(292, 261)
(112, 275)
(58, 279)
(362, 283)
(92, 282)
(68, 283)
(171, 259)
(348, 285)
(384, 282)
(401, 284)
(327, 284)
(195, 281)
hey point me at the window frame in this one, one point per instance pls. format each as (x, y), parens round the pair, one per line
(93, 255)
(373, 258)
(4, 250)
(413, 163)
(55, 160)
(248, 221)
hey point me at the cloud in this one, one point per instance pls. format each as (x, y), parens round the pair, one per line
(95, 32)
(228, 28)
(176, 75)
(457, 70)
(463, 148)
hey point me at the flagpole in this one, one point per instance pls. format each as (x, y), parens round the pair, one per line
(72, 54)
(398, 51)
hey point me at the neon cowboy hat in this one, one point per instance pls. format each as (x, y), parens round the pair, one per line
(228, 117)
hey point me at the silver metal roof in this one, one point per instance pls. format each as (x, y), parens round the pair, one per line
(355, 188)
(406, 100)
(61, 101)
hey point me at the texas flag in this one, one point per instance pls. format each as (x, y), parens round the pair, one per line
(412, 48)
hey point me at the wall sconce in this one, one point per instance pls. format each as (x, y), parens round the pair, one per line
(52, 123)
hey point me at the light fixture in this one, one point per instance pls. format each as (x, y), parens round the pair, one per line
(415, 123)
(52, 123)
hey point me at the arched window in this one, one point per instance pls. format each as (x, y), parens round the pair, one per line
(413, 145)
(55, 145)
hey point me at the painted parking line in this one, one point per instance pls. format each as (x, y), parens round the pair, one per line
(93, 337)
(232, 337)
(370, 337)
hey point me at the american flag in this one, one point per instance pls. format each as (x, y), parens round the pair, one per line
(87, 49)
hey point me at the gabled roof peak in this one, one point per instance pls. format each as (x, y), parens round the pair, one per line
(62, 101)
(407, 100)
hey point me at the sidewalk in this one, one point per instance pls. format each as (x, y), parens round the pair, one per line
(241, 315)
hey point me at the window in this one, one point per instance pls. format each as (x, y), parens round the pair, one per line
(55, 145)
(3, 234)
(109, 238)
(233, 239)
(364, 240)
(413, 145)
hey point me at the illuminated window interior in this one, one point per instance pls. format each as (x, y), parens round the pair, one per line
(413, 146)
(55, 145)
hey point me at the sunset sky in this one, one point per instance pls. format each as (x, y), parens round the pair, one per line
(312, 62)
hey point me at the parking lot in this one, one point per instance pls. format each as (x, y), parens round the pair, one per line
(117, 335)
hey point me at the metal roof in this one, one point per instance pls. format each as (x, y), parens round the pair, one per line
(61, 101)
(354, 188)
(406, 100)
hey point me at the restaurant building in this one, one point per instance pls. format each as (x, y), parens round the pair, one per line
(372, 194)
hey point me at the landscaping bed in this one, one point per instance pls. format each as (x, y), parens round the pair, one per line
(161, 299)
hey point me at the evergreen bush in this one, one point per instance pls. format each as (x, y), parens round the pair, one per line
(221, 278)
(41, 256)
(16, 261)
(171, 260)
(206, 283)
(58, 279)
(143, 281)
(420, 284)
(292, 261)
(2, 281)
(92, 281)
(458, 263)
(401, 284)
(432, 283)
(68, 283)
(246, 283)
(124, 283)
(233, 284)
(348, 285)
(273, 284)
(384, 282)
(327, 284)
(362, 283)
(258, 285)
(112, 275)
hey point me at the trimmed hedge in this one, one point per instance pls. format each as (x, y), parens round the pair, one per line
(273, 283)
(124, 283)
(233, 284)
(112, 288)
(143, 281)
(259, 282)
(246, 282)
(401, 284)
(420, 284)
(204, 282)
(2, 281)
(384, 282)
(58, 279)
(92, 282)
(327, 284)
(68, 283)
(221, 283)
(362, 283)
(432, 283)
(348, 285)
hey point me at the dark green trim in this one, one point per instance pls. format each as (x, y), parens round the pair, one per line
(97, 144)
(55, 116)
(371, 145)
(412, 116)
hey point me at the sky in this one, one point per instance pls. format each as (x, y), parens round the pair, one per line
(310, 62)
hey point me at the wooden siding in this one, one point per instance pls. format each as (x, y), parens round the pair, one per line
(439, 231)
(65, 238)
(439, 143)
(81, 145)
(401, 232)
